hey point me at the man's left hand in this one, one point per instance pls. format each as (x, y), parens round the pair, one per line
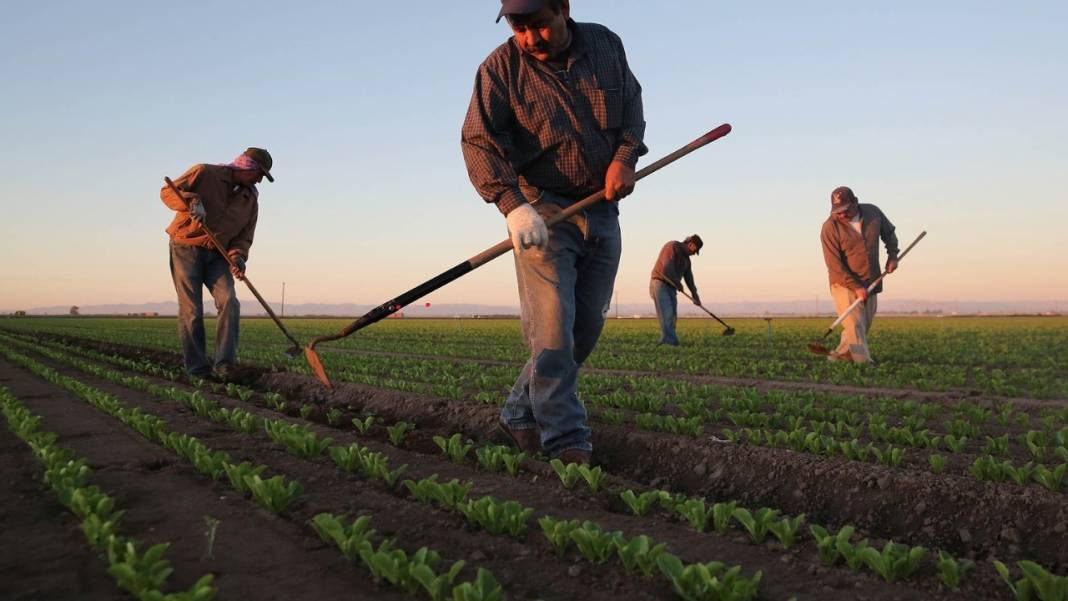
(618, 181)
(891, 265)
(696, 299)
(238, 269)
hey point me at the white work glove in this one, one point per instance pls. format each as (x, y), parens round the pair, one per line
(527, 228)
(197, 210)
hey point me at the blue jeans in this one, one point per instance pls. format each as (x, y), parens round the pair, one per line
(192, 268)
(564, 293)
(666, 300)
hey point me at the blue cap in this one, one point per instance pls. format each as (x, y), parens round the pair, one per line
(519, 7)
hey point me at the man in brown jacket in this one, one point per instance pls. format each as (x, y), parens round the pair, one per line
(850, 239)
(224, 199)
(671, 268)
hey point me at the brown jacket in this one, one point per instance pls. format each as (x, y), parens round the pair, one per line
(673, 265)
(232, 210)
(853, 259)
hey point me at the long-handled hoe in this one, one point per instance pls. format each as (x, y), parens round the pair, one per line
(817, 346)
(385, 309)
(728, 332)
(292, 351)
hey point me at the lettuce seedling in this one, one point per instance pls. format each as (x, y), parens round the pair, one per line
(850, 552)
(398, 431)
(951, 572)
(497, 517)
(349, 539)
(237, 473)
(454, 447)
(827, 543)
(438, 586)
(363, 426)
(895, 562)
(274, 493)
(592, 476)
(938, 463)
(701, 581)
(595, 544)
(695, 512)
(639, 505)
(140, 574)
(569, 474)
(756, 524)
(639, 554)
(721, 516)
(786, 530)
(1051, 479)
(1022, 589)
(484, 588)
(558, 532)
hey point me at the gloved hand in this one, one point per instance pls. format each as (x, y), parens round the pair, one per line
(527, 228)
(696, 299)
(891, 265)
(239, 273)
(197, 210)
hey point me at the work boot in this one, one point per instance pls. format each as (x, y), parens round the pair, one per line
(526, 439)
(574, 456)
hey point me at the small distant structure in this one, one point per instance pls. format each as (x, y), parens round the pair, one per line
(144, 314)
(74, 310)
(397, 315)
(20, 314)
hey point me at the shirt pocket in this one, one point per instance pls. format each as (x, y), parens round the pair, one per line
(541, 125)
(607, 106)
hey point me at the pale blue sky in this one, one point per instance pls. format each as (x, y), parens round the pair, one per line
(952, 119)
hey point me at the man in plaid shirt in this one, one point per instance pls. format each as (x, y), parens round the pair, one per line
(556, 115)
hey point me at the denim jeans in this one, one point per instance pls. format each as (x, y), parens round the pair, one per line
(192, 268)
(564, 293)
(666, 300)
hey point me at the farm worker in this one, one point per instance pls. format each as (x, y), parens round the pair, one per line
(850, 239)
(556, 115)
(223, 198)
(673, 266)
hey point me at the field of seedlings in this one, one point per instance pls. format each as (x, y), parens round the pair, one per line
(730, 468)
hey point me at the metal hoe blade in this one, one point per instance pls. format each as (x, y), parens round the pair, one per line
(817, 348)
(317, 366)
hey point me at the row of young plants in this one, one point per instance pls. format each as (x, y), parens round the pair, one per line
(889, 420)
(627, 345)
(143, 574)
(275, 494)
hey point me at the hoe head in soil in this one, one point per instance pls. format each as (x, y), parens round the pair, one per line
(818, 348)
(316, 365)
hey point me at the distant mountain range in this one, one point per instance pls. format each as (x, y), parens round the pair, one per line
(739, 309)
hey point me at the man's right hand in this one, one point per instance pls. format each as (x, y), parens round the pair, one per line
(861, 293)
(527, 228)
(696, 299)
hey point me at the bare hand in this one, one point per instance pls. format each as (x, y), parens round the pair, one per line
(618, 181)
(861, 293)
(891, 265)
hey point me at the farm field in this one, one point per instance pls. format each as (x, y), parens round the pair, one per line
(729, 468)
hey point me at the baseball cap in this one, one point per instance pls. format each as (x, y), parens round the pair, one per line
(519, 7)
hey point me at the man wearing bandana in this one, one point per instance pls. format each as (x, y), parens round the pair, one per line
(224, 199)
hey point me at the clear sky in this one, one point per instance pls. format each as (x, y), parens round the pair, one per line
(951, 116)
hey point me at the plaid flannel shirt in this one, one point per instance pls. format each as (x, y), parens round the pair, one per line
(531, 129)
